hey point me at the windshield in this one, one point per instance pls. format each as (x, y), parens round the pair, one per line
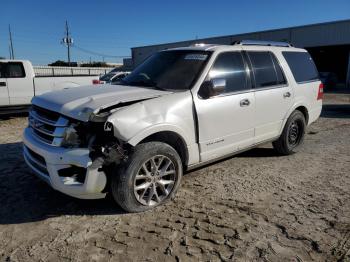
(169, 70)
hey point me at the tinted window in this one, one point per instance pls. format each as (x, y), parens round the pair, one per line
(302, 66)
(281, 80)
(2, 70)
(266, 72)
(15, 70)
(230, 66)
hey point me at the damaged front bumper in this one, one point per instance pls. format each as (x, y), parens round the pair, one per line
(68, 170)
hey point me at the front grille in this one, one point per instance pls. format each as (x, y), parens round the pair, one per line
(36, 160)
(47, 126)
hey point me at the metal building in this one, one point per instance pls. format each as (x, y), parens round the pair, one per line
(328, 44)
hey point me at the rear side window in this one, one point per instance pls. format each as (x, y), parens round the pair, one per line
(281, 80)
(230, 66)
(266, 69)
(302, 66)
(15, 70)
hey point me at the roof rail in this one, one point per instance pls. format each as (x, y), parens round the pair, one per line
(260, 42)
(199, 44)
(203, 44)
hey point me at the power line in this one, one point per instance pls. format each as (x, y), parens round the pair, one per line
(98, 54)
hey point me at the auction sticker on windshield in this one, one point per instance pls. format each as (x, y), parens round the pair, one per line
(201, 57)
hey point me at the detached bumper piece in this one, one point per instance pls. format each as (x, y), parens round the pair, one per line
(68, 170)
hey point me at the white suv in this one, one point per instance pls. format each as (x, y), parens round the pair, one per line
(180, 109)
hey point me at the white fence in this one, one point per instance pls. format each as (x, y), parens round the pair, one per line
(75, 71)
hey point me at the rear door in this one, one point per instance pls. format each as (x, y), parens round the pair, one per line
(226, 121)
(273, 95)
(4, 93)
(19, 86)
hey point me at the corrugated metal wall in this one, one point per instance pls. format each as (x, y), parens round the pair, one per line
(333, 33)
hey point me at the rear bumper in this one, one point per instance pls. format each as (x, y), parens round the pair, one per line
(46, 161)
(314, 114)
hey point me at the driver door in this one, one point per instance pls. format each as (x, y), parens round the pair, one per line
(226, 121)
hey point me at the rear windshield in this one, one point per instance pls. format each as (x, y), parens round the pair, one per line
(302, 66)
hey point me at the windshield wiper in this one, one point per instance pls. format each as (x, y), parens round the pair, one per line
(144, 84)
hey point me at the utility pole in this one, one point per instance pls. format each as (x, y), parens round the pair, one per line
(10, 51)
(68, 41)
(12, 55)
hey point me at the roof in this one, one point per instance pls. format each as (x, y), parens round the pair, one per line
(14, 60)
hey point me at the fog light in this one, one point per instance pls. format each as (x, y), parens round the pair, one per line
(73, 175)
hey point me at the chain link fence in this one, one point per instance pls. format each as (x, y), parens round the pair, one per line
(70, 71)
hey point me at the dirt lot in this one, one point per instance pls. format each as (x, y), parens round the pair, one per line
(255, 206)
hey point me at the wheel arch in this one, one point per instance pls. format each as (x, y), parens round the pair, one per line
(305, 112)
(298, 106)
(173, 137)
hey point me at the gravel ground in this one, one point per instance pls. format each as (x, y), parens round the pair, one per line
(255, 206)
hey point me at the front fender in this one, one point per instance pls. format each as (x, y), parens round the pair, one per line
(167, 113)
(156, 129)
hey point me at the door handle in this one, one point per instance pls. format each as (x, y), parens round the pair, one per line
(244, 102)
(2, 83)
(286, 94)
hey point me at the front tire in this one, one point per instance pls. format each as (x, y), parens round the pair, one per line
(150, 177)
(292, 136)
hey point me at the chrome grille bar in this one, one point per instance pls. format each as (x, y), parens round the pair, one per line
(60, 122)
(47, 130)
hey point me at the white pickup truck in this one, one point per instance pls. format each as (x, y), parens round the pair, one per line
(18, 84)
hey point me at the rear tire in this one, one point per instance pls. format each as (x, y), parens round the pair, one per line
(292, 136)
(150, 177)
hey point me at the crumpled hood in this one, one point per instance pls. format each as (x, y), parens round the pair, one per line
(80, 102)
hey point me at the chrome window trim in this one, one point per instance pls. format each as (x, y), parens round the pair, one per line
(270, 87)
(249, 91)
(308, 81)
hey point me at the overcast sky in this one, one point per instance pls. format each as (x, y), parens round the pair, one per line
(113, 27)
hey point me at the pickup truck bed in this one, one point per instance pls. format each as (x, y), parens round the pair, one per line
(18, 84)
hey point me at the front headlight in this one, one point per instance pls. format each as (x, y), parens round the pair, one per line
(71, 137)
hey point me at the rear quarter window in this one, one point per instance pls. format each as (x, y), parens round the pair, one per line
(15, 70)
(302, 66)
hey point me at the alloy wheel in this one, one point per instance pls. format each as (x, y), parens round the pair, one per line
(155, 180)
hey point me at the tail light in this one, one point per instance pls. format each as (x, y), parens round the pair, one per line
(320, 92)
(96, 82)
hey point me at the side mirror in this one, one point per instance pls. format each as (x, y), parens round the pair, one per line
(212, 87)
